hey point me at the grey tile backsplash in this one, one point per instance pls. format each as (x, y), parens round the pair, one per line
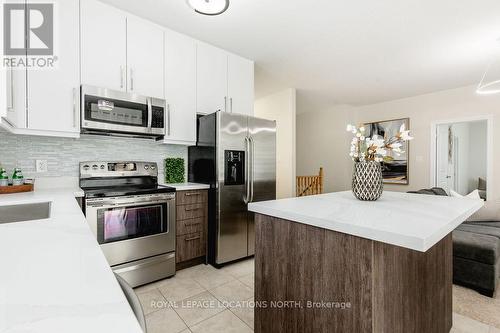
(64, 154)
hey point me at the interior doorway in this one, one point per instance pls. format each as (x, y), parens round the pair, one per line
(461, 156)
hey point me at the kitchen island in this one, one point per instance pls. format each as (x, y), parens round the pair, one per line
(331, 263)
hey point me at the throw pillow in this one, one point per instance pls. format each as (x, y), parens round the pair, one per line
(472, 195)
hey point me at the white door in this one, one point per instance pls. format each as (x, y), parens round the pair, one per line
(53, 94)
(180, 88)
(103, 45)
(444, 158)
(145, 58)
(211, 83)
(240, 74)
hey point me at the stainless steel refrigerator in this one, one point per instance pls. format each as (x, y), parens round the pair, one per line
(236, 155)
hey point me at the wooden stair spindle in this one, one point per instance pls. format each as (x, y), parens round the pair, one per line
(310, 185)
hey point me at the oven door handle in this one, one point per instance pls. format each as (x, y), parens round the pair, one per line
(150, 115)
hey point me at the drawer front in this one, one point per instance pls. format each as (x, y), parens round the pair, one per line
(190, 246)
(185, 212)
(190, 226)
(191, 197)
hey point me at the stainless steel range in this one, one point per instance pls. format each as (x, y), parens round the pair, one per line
(132, 217)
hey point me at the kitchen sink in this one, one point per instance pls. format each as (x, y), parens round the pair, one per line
(24, 212)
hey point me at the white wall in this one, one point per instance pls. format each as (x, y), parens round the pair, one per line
(322, 141)
(281, 106)
(422, 111)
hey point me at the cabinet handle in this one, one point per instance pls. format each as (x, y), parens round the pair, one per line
(192, 238)
(131, 79)
(192, 209)
(191, 224)
(168, 115)
(74, 107)
(11, 81)
(231, 104)
(225, 103)
(150, 114)
(121, 77)
(191, 194)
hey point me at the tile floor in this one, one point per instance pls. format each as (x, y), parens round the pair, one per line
(209, 300)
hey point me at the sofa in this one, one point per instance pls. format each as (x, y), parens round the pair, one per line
(476, 252)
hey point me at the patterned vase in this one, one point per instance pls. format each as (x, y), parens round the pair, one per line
(367, 184)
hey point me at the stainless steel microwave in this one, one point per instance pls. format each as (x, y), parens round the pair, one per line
(110, 112)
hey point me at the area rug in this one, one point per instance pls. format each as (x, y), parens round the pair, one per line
(471, 304)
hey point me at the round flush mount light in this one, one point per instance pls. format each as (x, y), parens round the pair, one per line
(209, 7)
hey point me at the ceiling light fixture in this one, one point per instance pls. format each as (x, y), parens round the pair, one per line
(490, 82)
(209, 7)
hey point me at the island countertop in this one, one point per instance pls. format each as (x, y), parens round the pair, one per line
(412, 221)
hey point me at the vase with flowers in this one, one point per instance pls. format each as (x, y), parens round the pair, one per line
(368, 153)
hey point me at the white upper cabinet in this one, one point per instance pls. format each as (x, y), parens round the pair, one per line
(144, 58)
(211, 83)
(120, 51)
(240, 85)
(15, 86)
(53, 95)
(180, 88)
(16, 97)
(45, 101)
(103, 46)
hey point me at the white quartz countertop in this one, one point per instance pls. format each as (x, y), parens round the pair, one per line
(413, 221)
(187, 186)
(54, 277)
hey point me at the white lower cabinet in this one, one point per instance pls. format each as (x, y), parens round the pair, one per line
(180, 88)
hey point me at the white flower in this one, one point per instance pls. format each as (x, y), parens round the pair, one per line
(362, 138)
(396, 145)
(405, 136)
(362, 129)
(356, 155)
(378, 159)
(402, 128)
(381, 151)
(351, 154)
(354, 140)
(350, 128)
(358, 135)
(354, 130)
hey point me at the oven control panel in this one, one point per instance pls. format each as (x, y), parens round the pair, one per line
(92, 169)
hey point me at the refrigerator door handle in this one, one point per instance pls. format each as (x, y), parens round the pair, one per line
(252, 163)
(246, 198)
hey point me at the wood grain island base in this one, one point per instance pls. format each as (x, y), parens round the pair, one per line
(311, 279)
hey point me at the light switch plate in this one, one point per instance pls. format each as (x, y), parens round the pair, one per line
(41, 166)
